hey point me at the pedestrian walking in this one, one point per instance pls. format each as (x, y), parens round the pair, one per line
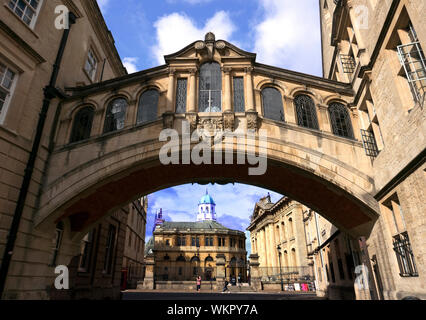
(225, 287)
(199, 283)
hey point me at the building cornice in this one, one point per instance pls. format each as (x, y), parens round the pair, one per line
(106, 39)
(307, 79)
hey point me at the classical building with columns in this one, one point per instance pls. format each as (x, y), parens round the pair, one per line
(277, 236)
(178, 252)
(75, 129)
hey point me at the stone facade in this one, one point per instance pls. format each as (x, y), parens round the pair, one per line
(278, 224)
(183, 250)
(28, 50)
(377, 35)
(133, 269)
(379, 197)
(95, 273)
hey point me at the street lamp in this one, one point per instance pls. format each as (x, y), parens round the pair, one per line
(281, 274)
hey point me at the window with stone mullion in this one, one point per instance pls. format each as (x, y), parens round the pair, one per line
(25, 9)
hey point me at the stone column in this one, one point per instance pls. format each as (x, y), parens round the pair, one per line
(250, 90)
(171, 91)
(324, 119)
(168, 116)
(289, 110)
(192, 101)
(149, 281)
(255, 277)
(227, 97)
(131, 114)
(355, 122)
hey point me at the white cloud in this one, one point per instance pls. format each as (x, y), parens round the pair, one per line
(103, 4)
(177, 30)
(130, 64)
(289, 35)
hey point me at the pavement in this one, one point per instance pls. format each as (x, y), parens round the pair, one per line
(182, 295)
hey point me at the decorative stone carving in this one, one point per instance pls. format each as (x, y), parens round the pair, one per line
(220, 45)
(210, 37)
(200, 45)
(210, 127)
(209, 45)
(252, 120)
(168, 120)
(228, 121)
(192, 118)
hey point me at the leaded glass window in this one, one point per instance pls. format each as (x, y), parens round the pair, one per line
(25, 9)
(116, 115)
(7, 77)
(91, 65)
(181, 94)
(210, 99)
(306, 112)
(272, 104)
(148, 106)
(82, 124)
(239, 94)
(340, 120)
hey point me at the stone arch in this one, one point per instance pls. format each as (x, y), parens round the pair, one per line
(272, 83)
(77, 182)
(306, 91)
(335, 98)
(115, 94)
(181, 258)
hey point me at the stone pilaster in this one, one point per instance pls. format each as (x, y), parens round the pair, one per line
(250, 90)
(149, 281)
(255, 278)
(171, 91)
(192, 95)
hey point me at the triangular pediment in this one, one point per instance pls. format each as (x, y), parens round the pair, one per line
(209, 47)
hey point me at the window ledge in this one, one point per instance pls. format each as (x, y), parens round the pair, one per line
(9, 131)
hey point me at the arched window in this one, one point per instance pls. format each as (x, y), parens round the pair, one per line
(82, 124)
(181, 259)
(209, 259)
(340, 120)
(116, 115)
(306, 112)
(148, 106)
(195, 259)
(210, 98)
(272, 104)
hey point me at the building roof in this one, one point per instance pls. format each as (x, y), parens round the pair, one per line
(201, 225)
(207, 199)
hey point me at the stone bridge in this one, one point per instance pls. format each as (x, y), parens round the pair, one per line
(107, 142)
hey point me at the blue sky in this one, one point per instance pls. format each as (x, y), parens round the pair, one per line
(284, 33)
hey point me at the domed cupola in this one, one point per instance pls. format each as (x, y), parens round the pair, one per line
(206, 208)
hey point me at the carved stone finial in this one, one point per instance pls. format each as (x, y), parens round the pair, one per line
(210, 37)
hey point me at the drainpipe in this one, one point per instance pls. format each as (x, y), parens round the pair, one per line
(50, 93)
